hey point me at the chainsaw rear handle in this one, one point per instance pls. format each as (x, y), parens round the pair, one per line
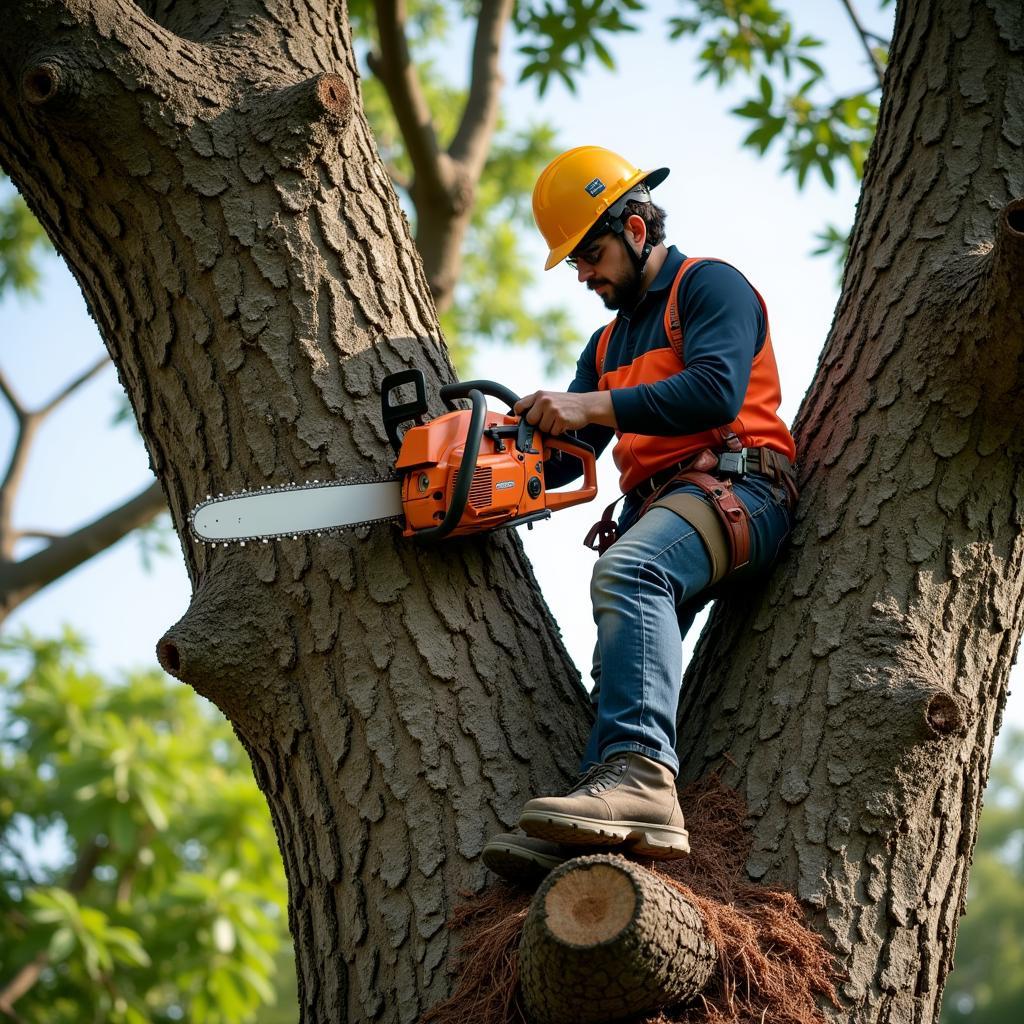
(464, 478)
(578, 450)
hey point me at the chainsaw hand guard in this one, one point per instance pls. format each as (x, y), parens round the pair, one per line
(395, 415)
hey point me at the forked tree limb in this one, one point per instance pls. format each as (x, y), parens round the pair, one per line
(20, 580)
(605, 940)
(396, 69)
(472, 141)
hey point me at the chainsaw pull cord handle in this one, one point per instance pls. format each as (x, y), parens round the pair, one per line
(464, 478)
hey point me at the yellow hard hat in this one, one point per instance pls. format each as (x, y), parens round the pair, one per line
(578, 190)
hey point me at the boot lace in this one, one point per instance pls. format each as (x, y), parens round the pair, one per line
(600, 777)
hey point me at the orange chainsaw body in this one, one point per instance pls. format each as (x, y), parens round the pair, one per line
(504, 486)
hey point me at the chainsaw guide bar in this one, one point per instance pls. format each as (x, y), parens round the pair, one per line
(291, 511)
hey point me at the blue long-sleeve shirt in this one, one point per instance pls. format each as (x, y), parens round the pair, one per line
(724, 327)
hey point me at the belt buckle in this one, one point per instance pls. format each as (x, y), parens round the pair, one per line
(733, 463)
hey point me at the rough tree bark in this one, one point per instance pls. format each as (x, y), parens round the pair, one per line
(207, 174)
(212, 184)
(858, 698)
(443, 192)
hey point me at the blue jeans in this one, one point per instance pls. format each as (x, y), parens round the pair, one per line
(646, 590)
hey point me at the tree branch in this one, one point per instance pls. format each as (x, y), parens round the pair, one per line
(70, 388)
(473, 139)
(28, 423)
(48, 535)
(12, 399)
(865, 38)
(397, 72)
(20, 580)
(70, 34)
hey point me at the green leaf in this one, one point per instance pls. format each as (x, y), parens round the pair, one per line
(126, 947)
(62, 942)
(22, 242)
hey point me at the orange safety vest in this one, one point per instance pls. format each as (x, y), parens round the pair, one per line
(639, 456)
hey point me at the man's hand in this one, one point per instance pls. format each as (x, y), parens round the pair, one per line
(555, 412)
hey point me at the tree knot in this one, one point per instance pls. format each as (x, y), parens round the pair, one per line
(944, 715)
(51, 83)
(334, 97)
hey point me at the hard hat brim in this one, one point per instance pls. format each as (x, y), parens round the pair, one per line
(649, 178)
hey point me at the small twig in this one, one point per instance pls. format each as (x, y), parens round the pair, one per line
(35, 535)
(865, 38)
(70, 388)
(12, 399)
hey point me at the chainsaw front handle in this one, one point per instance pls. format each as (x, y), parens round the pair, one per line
(464, 478)
(462, 389)
(578, 450)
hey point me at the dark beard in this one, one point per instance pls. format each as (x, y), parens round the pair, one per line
(623, 294)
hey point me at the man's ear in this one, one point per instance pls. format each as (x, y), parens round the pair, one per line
(636, 230)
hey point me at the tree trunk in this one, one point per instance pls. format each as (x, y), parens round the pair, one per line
(216, 192)
(858, 696)
(606, 940)
(208, 176)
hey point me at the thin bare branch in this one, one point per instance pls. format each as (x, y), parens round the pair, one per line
(20, 580)
(395, 68)
(473, 139)
(866, 37)
(28, 424)
(70, 388)
(12, 399)
(48, 535)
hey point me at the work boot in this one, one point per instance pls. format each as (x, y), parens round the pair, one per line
(520, 858)
(628, 801)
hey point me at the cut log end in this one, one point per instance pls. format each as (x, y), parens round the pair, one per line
(605, 940)
(584, 908)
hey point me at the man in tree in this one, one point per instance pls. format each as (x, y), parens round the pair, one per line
(685, 377)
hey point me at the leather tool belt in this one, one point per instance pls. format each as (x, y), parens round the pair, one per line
(722, 521)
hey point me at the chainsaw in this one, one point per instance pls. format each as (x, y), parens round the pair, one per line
(464, 472)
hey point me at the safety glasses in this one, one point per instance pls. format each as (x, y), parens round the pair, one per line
(590, 255)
